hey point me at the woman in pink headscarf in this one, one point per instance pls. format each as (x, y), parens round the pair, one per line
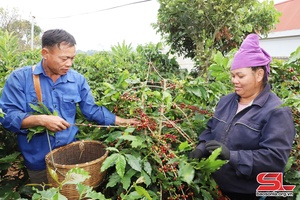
(254, 131)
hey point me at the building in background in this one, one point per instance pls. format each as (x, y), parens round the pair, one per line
(285, 38)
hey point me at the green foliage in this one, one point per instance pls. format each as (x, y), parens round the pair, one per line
(164, 107)
(286, 83)
(12, 185)
(196, 29)
(11, 21)
(9, 158)
(262, 18)
(8, 56)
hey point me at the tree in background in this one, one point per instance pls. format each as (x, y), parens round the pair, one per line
(198, 28)
(11, 21)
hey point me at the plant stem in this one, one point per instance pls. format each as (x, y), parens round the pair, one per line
(98, 126)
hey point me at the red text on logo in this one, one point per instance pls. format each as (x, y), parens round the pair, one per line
(272, 181)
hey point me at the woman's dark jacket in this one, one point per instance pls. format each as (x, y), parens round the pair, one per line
(259, 138)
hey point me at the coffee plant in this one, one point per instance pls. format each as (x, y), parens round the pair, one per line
(148, 161)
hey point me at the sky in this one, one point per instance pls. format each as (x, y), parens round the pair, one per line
(95, 24)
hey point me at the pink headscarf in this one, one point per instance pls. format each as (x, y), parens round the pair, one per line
(251, 54)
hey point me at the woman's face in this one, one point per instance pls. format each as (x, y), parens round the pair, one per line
(247, 83)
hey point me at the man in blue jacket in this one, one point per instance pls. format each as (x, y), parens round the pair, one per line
(251, 126)
(62, 89)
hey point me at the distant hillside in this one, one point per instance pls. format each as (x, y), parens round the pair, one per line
(89, 52)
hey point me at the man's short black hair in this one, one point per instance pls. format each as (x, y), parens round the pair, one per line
(54, 37)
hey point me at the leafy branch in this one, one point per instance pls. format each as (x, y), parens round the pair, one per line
(40, 109)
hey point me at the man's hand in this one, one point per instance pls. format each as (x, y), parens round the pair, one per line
(124, 122)
(213, 144)
(55, 123)
(50, 122)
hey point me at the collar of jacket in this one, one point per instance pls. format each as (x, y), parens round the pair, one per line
(262, 98)
(64, 78)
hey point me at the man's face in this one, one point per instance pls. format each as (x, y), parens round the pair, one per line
(58, 60)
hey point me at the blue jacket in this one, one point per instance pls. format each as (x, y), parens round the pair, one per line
(259, 138)
(63, 96)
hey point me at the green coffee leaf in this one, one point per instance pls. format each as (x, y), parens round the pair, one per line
(120, 165)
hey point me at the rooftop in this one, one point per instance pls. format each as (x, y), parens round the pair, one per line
(289, 19)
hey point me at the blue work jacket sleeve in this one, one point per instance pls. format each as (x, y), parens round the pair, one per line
(91, 111)
(12, 103)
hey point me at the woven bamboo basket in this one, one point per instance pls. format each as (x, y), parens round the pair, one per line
(85, 154)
